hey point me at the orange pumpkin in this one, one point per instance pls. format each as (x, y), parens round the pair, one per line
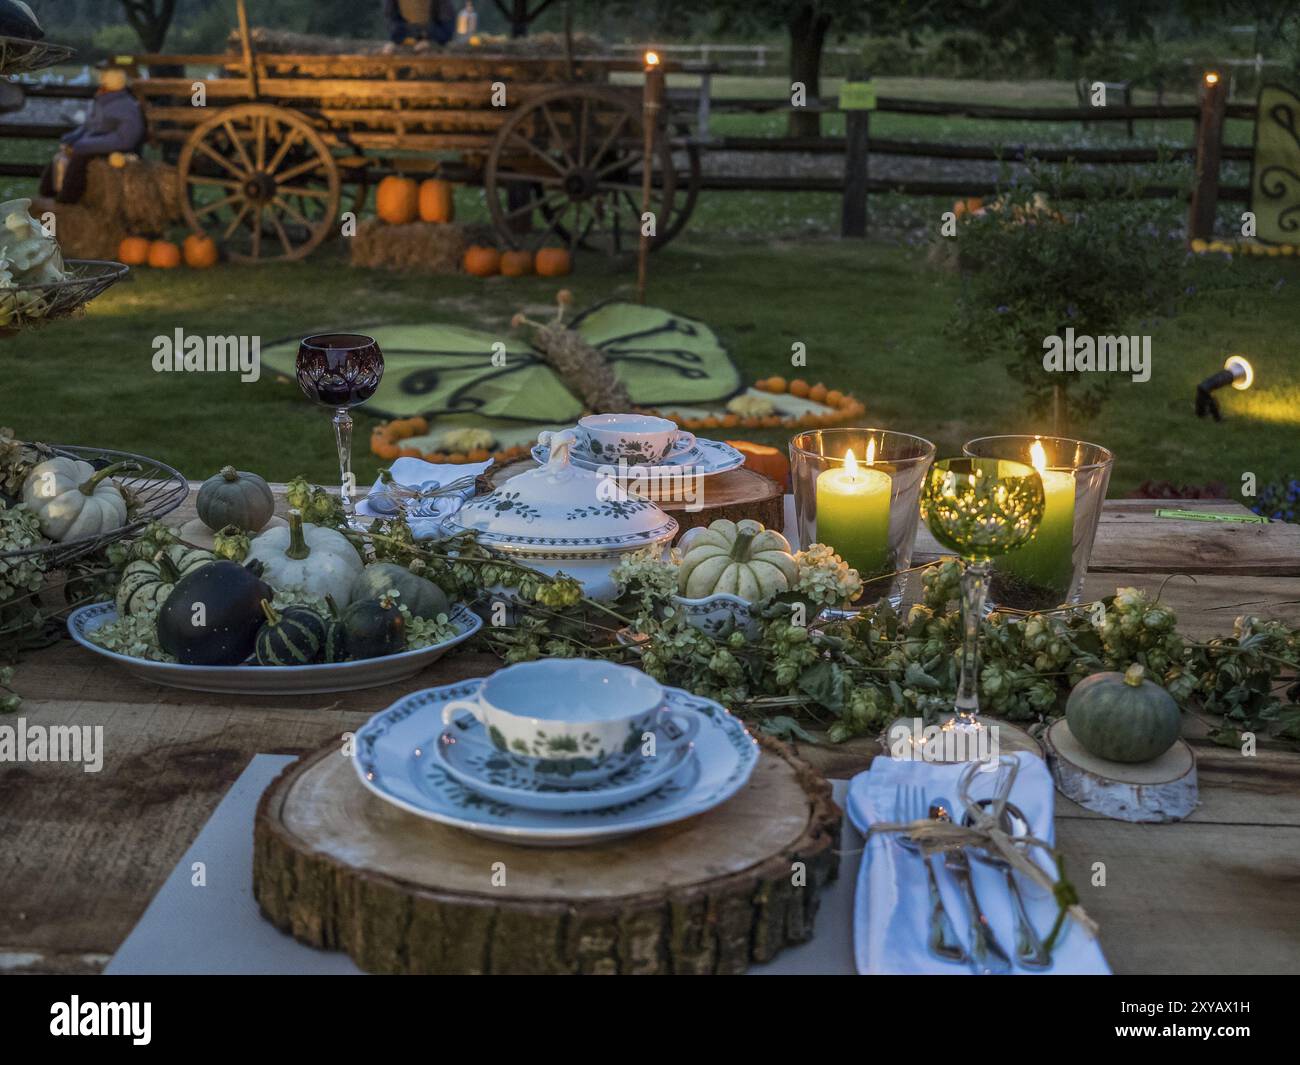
(164, 255)
(437, 203)
(134, 251)
(552, 262)
(200, 251)
(481, 261)
(768, 461)
(516, 263)
(397, 200)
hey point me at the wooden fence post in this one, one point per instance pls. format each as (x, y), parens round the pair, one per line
(1209, 144)
(853, 211)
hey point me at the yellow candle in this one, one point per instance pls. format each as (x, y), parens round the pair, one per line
(1047, 561)
(853, 513)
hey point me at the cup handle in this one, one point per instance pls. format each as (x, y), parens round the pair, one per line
(451, 709)
(688, 722)
(682, 434)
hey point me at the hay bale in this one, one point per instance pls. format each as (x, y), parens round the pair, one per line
(421, 247)
(140, 199)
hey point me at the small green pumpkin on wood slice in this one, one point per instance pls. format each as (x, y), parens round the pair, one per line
(235, 497)
(146, 583)
(294, 636)
(1123, 717)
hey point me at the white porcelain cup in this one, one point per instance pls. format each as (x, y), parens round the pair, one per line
(637, 439)
(568, 715)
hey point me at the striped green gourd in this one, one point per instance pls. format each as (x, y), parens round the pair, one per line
(1122, 717)
(147, 582)
(293, 636)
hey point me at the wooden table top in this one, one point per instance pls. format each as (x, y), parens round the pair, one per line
(81, 854)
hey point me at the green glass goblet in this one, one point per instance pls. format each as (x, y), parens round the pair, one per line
(979, 508)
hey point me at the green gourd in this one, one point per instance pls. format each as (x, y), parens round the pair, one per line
(373, 628)
(294, 636)
(1122, 717)
(737, 558)
(419, 595)
(213, 614)
(235, 497)
(147, 582)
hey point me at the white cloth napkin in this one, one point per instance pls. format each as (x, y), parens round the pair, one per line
(892, 906)
(416, 473)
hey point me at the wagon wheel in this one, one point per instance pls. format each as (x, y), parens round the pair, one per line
(568, 165)
(686, 163)
(260, 180)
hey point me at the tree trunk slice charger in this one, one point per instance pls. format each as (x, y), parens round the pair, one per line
(339, 869)
(1158, 791)
(736, 494)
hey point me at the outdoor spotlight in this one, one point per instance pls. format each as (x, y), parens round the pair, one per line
(1236, 372)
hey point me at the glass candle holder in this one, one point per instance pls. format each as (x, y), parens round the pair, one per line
(1049, 570)
(865, 506)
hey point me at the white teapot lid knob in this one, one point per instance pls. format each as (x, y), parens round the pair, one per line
(559, 443)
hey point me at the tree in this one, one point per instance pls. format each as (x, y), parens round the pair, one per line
(151, 20)
(521, 13)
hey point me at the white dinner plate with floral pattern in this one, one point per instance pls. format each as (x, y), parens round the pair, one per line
(706, 458)
(395, 759)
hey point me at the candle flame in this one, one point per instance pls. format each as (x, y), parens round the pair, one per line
(652, 59)
(1038, 456)
(871, 452)
(851, 464)
(1211, 78)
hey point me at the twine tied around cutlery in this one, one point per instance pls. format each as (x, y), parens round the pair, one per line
(985, 833)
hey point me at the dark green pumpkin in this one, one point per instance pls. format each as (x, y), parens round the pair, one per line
(235, 497)
(294, 636)
(1122, 717)
(419, 595)
(333, 647)
(373, 628)
(231, 599)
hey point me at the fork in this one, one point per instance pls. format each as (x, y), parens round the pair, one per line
(941, 938)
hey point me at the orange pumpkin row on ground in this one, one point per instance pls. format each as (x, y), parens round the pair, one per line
(385, 443)
(198, 252)
(482, 261)
(399, 200)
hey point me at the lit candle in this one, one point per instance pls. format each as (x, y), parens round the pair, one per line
(853, 513)
(1047, 561)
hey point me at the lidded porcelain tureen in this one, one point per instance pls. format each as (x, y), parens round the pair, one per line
(560, 517)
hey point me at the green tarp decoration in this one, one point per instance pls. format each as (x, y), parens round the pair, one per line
(441, 370)
(1275, 175)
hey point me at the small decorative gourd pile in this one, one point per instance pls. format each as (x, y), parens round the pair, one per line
(214, 611)
(739, 558)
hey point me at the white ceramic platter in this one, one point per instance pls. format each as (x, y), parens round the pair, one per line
(272, 680)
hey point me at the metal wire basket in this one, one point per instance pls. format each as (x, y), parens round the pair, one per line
(151, 491)
(18, 56)
(30, 305)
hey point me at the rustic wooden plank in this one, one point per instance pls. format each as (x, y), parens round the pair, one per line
(290, 90)
(330, 117)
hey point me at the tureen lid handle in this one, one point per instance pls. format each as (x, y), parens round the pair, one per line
(559, 443)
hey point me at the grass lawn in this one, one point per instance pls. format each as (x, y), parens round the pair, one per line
(871, 315)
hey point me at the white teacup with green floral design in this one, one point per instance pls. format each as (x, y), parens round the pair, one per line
(568, 716)
(637, 439)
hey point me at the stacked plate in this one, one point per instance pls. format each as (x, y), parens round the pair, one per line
(621, 440)
(600, 751)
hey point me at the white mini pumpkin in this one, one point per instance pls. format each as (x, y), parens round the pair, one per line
(72, 500)
(737, 558)
(307, 558)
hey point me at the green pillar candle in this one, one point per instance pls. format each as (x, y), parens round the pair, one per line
(1047, 561)
(853, 515)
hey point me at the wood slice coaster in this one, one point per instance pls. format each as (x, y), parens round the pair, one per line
(1163, 790)
(196, 533)
(339, 868)
(736, 494)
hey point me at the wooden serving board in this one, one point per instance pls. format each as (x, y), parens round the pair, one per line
(339, 868)
(736, 494)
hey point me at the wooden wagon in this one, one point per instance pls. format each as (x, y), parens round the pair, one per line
(270, 148)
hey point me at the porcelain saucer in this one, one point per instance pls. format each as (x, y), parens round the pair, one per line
(706, 458)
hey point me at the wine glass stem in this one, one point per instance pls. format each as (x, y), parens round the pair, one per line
(974, 589)
(343, 438)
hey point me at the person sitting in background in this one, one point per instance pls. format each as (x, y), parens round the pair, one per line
(115, 124)
(420, 21)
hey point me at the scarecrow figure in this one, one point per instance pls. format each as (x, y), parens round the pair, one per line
(115, 124)
(420, 21)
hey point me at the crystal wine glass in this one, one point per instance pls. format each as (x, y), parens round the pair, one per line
(979, 508)
(340, 370)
